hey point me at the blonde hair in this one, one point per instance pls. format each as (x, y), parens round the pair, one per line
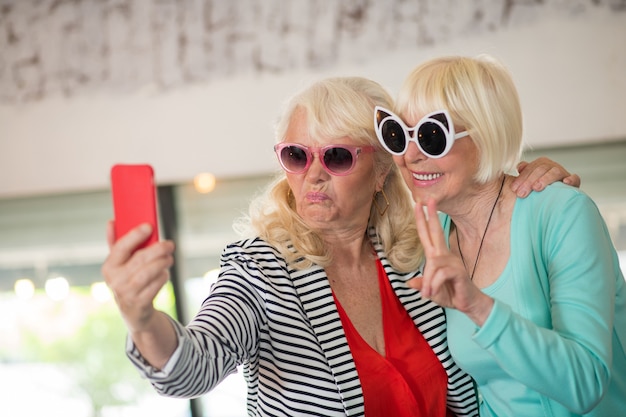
(480, 96)
(335, 108)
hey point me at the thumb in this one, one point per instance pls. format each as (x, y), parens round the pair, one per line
(416, 283)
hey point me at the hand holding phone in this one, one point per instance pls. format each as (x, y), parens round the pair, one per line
(134, 199)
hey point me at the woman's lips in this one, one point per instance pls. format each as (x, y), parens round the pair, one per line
(316, 197)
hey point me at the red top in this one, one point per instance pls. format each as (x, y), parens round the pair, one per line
(409, 381)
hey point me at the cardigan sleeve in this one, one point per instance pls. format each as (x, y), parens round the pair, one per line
(574, 256)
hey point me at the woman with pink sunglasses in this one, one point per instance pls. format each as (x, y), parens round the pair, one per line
(315, 303)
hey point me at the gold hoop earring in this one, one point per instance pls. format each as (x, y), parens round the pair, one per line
(381, 212)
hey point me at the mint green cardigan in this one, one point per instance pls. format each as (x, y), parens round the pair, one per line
(554, 343)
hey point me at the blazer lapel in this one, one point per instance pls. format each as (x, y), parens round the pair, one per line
(319, 306)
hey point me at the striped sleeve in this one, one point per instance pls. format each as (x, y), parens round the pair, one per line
(254, 316)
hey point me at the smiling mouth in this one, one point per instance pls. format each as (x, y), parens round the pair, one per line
(426, 177)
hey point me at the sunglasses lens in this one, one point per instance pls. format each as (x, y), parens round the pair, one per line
(338, 160)
(393, 135)
(294, 159)
(431, 138)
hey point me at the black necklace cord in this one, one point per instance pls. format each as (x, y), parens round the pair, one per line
(458, 241)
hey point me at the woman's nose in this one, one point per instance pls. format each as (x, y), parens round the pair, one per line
(413, 153)
(316, 170)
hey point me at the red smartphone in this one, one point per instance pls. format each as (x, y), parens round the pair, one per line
(134, 199)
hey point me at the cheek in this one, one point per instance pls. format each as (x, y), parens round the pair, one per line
(403, 168)
(399, 160)
(294, 184)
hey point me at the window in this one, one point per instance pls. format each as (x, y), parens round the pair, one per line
(62, 336)
(62, 345)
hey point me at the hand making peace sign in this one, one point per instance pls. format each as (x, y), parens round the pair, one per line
(444, 279)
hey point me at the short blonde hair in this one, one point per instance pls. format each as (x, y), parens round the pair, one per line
(335, 108)
(480, 96)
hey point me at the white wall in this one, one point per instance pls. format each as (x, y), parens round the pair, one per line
(570, 70)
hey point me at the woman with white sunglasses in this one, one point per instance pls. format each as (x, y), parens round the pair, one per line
(535, 299)
(315, 304)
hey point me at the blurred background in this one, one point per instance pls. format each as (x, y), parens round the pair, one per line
(193, 87)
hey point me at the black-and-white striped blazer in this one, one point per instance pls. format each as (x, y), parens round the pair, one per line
(283, 326)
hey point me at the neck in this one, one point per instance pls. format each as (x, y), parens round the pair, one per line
(351, 261)
(476, 258)
(471, 211)
(348, 247)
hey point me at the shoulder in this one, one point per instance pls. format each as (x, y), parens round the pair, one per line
(253, 247)
(558, 212)
(252, 254)
(556, 199)
(554, 193)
